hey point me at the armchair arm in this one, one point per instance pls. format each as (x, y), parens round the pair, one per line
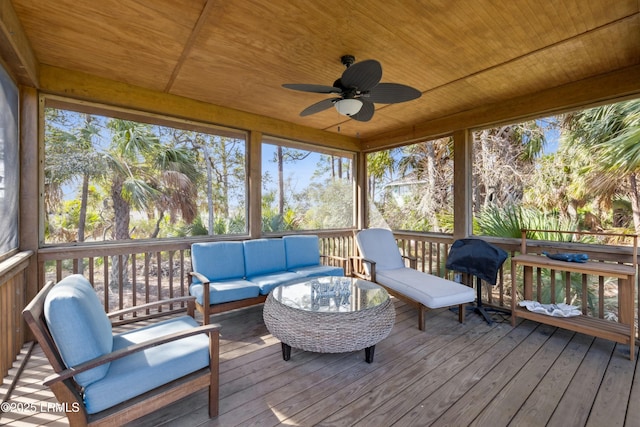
(212, 330)
(356, 271)
(412, 260)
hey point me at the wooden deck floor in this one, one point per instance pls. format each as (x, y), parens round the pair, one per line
(450, 375)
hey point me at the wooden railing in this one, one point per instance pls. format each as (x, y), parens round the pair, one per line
(12, 300)
(134, 273)
(431, 251)
(595, 295)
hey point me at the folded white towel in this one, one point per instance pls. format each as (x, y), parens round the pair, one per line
(556, 310)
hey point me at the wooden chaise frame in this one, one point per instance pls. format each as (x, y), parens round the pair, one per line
(357, 270)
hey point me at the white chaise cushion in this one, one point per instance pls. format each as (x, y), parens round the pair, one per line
(430, 290)
(379, 245)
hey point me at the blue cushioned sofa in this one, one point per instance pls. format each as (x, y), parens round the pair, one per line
(230, 275)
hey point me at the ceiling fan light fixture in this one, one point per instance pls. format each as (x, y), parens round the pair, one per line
(348, 107)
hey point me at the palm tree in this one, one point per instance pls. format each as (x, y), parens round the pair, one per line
(148, 176)
(70, 156)
(611, 136)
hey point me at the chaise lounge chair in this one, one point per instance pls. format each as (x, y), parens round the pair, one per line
(382, 263)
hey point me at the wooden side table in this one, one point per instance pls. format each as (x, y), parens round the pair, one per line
(622, 332)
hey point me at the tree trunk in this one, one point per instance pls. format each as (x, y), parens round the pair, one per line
(82, 220)
(280, 181)
(207, 161)
(121, 211)
(635, 201)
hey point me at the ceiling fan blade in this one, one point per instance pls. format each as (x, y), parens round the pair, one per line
(366, 112)
(319, 106)
(312, 88)
(392, 93)
(362, 75)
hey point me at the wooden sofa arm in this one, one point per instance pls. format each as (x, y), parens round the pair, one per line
(199, 276)
(190, 300)
(341, 261)
(213, 330)
(205, 295)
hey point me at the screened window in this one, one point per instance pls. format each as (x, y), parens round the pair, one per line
(108, 178)
(576, 171)
(9, 164)
(411, 188)
(304, 188)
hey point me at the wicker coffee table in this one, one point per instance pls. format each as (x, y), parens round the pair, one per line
(329, 315)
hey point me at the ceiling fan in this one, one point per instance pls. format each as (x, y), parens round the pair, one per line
(357, 90)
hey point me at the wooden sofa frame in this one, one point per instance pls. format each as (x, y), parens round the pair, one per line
(67, 391)
(207, 309)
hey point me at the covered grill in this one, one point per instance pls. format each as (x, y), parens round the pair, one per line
(480, 259)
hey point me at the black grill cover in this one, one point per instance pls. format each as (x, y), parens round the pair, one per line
(476, 257)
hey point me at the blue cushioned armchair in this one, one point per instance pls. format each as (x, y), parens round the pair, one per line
(107, 378)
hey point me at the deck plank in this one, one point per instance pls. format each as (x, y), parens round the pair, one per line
(480, 394)
(513, 395)
(578, 399)
(456, 374)
(401, 395)
(612, 400)
(543, 400)
(358, 399)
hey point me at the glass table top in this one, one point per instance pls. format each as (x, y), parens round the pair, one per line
(331, 294)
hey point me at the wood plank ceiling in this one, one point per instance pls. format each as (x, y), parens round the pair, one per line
(237, 53)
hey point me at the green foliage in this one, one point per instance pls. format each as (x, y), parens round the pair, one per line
(509, 221)
(330, 205)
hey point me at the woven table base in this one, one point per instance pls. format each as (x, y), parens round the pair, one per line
(328, 332)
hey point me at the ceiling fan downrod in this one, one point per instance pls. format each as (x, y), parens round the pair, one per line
(347, 60)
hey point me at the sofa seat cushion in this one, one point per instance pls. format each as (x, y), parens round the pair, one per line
(218, 260)
(430, 290)
(267, 282)
(140, 372)
(318, 270)
(225, 291)
(79, 326)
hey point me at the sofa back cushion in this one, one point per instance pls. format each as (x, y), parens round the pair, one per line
(301, 251)
(264, 256)
(379, 245)
(79, 326)
(218, 260)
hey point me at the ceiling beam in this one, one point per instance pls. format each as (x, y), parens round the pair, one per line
(15, 49)
(86, 87)
(589, 92)
(202, 20)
